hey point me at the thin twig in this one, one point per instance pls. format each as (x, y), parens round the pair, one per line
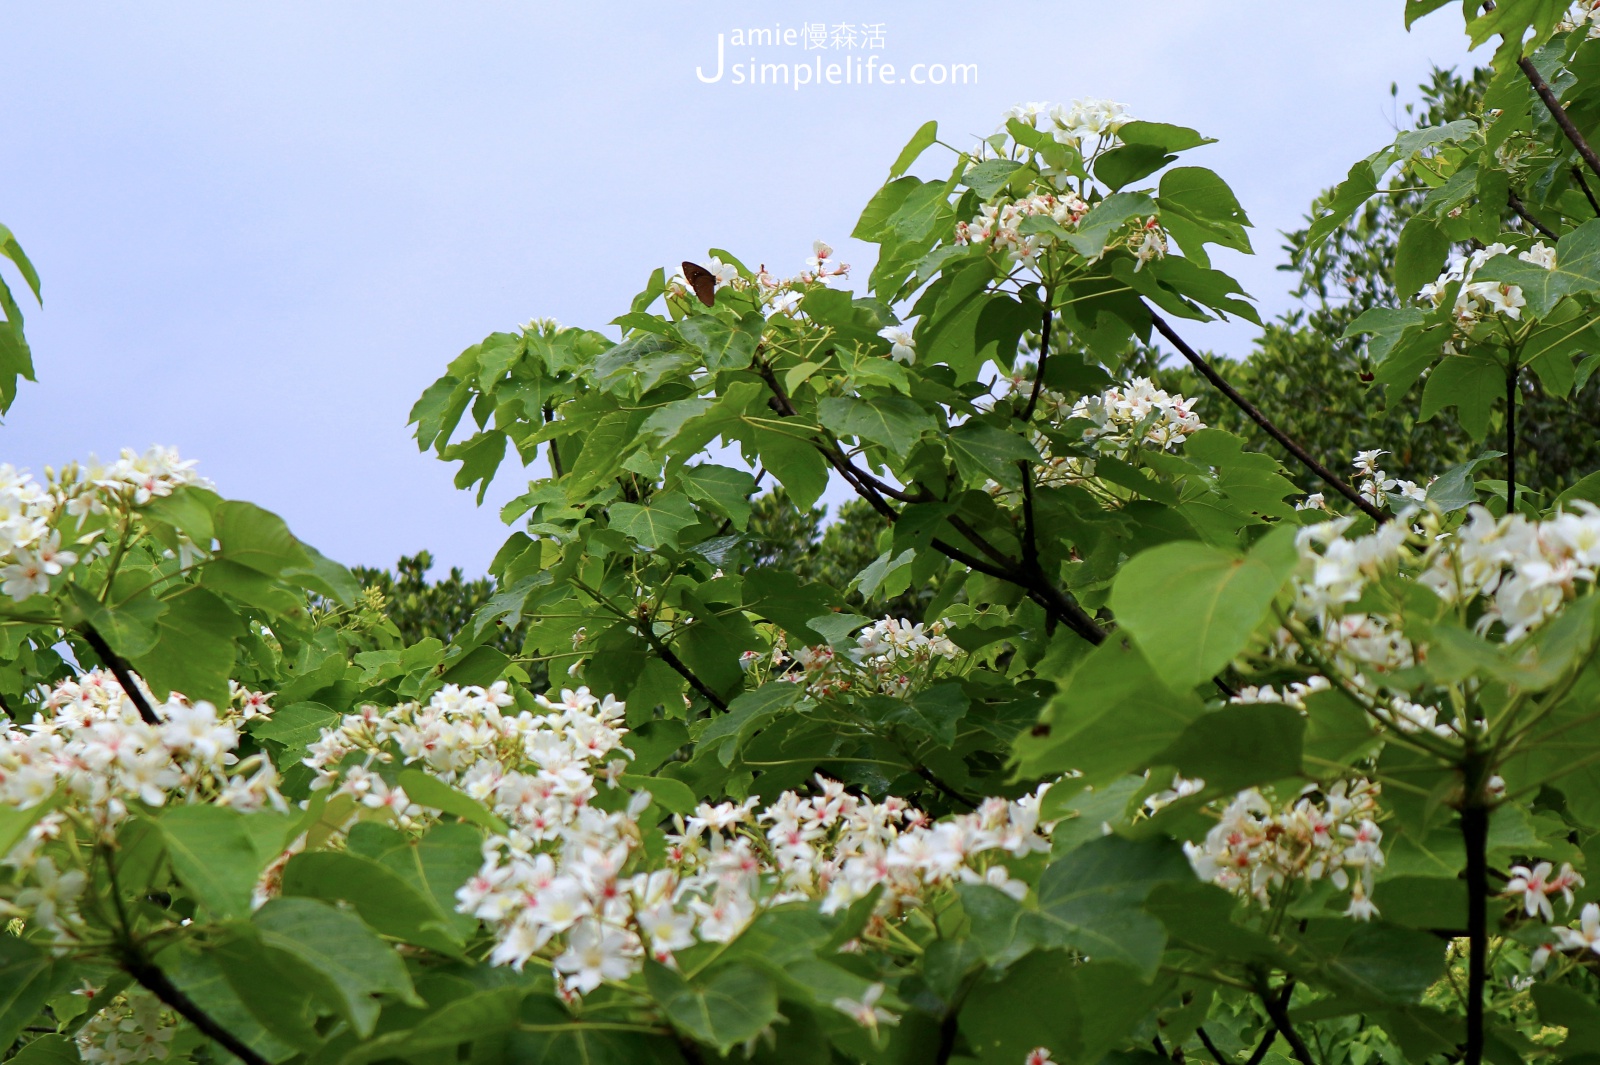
(1038, 372)
(1527, 216)
(646, 628)
(123, 674)
(944, 789)
(1475, 836)
(1512, 369)
(1254, 413)
(1211, 1048)
(1262, 1047)
(1055, 602)
(1278, 1010)
(1557, 112)
(152, 979)
(1588, 194)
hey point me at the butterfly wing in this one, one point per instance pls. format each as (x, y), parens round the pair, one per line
(703, 281)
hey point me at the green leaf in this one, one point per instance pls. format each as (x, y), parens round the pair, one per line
(356, 964)
(725, 735)
(47, 1050)
(1146, 147)
(873, 225)
(990, 176)
(725, 490)
(213, 855)
(1085, 727)
(1191, 607)
(386, 902)
(15, 821)
(203, 977)
(480, 457)
(934, 712)
(797, 465)
(1077, 1011)
(251, 587)
(13, 251)
(430, 791)
(1374, 960)
(732, 1006)
(1198, 208)
(893, 421)
(438, 410)
(28, 976)
(1239, 746)
(656, 524)
(1091, 899)
(725, 347)
(1420, 255)
(920, 142)
(1471, 384)
(187, 509)
(982, 452)
(1109, 215)
(194, 649)
(482, 1015)
(435, 866)
(129, 627)
(1577, 270)
(257, 538)
(673, 796)
(1455, 488)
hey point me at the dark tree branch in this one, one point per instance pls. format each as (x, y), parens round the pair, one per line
(1588, 194)
(555, 455)
(1475, 836)
(1262, 1047)
(1512, 370)
(1055, 602)
(1038, 371)
(942, 787)
(646, 628)
(1278, 1010)
(1211, 1048)
(1527, 216)
(123, 674)
(1557, 112)
(1254, 413)
(1030, 541)
(152, 979)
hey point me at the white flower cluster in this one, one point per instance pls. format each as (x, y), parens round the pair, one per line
(886, 656)
(133, 1027)
(1124, 418)
(1375, 485)
(1256, 848)
(93, 755)
(1522, 571)
(1136, 414)
(1583, 15)
(1525, 570)
(1533, 887)
(30, 546)
(569, 881)
(1477, 298)
(776, 295)
(1083, 124)
(999, 225)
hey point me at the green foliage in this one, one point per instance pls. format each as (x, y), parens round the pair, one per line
(1159, 765)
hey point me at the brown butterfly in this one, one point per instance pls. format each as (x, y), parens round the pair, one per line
(703, 281)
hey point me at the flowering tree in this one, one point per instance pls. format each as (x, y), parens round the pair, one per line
(1176, 762)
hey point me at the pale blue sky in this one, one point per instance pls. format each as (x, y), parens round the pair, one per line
(264, 227)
